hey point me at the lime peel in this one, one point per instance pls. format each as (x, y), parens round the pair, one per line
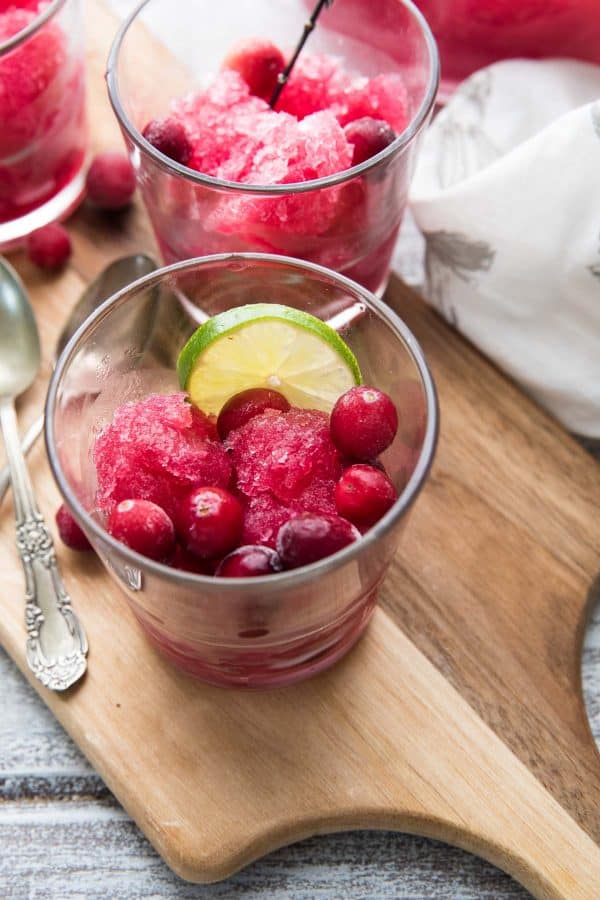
(295, 352)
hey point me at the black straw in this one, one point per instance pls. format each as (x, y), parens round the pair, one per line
(308, 27)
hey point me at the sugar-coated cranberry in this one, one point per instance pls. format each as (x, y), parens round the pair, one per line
(70, 532)
(310, 536)
(49, 247)
(364, 422)
(363, 494)
(259, 62)
(110, 181)
(368, 137)
(144, 527)
(249, 562)
(210, 521)
(169, 137)
(242, 407)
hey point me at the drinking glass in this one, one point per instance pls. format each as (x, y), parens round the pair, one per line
(474, 33)
(42, 116)
(348, 221)
(249, 632)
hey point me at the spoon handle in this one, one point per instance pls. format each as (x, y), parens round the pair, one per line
(56, 642)
(29, 439)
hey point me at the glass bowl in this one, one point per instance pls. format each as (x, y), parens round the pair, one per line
(348, 221)
(472, 34)
(42, 119)
(253, 632)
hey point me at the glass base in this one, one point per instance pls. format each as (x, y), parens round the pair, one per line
(61, 205)
(269, 669)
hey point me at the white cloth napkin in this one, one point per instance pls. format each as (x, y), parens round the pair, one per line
(507, 195)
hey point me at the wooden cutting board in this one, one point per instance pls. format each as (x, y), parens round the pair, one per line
(458, 716)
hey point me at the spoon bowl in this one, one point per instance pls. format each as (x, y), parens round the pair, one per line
(19, 339)
(117, 275)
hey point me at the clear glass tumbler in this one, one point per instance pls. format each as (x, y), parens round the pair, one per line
(251, 632)
(194, 214)
(474, 33)
(42, 115)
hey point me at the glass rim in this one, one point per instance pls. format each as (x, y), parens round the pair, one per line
(21, 36)
(174, 168)
(279, 580)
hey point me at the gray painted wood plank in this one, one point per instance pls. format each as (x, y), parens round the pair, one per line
(78, 849)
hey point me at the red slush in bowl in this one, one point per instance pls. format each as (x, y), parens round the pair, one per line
(475, 33)
(42, 122)
(273, 518)
(323, 175)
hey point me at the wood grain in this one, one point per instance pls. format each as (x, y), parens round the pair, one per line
(459, 716)
(510, 497)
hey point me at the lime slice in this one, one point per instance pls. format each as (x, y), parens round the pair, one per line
(266, 345)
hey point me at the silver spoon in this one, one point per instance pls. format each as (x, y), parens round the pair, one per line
(111, 279)
(56, 643)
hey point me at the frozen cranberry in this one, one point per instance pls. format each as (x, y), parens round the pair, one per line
(144, 527)
(169, 137)
(110, 181)
(242, 407)
(70, 532)
(210, 521)
(364, 423)
(368, 137)
(309, 537)
(259, 62)
(363, 494)
(49, 247)
(249, 562)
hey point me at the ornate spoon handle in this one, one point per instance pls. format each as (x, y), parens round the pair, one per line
(56, 642)
(29, 439)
